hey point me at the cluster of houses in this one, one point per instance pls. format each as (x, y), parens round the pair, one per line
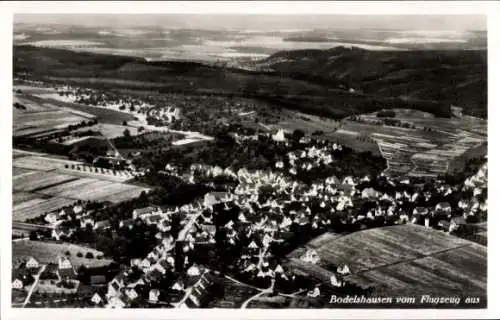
(67, 220)
(127, 104)
(270, 206)
(51, 276)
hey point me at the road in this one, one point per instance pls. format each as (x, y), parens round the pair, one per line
(30, 226)
(37, 277)
(263, 292)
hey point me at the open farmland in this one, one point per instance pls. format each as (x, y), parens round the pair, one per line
(425, 148)
(102, 114)
(42, 184)
(405, 259)
(41, 117)
(49, 252)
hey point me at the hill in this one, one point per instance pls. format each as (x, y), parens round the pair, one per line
(452, 76)
(309, 81)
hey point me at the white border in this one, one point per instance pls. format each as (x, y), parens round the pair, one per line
(492, 9)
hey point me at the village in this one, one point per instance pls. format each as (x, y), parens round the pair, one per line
(244, 229)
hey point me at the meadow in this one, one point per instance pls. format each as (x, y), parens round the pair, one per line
(49, 252)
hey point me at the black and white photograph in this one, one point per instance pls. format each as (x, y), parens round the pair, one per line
(248, 161)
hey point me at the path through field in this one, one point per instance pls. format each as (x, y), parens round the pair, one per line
(37, 277)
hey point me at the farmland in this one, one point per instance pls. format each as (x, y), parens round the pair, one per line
(42, 184)
(103, 115)
(424, 146)
(42, 116)
(405, 259)
(49, 252)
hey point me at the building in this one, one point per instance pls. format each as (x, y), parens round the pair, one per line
(64, 263)
(154, 294)
(443, 207)
(102, 225)
(115, 303)
(17, 284)
(144, 212)
(96, 299)
(32, 263)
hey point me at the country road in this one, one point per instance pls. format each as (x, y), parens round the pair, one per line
(33, 287)
(268, 290)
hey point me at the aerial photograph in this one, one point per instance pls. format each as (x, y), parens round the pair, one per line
(247, 161)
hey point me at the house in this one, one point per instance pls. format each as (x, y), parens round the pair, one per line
(96, 299)
(115, 303)
(311, 256)
(131, 294)
(17, 284)
(178, 286)
(421, 211)
(443, 207)
(213, 198)
(456, 223)
(129, 223)
(369, 193)
(61, 233)
(154, 294)
(314, 293)
(86, 221)
(32, 263)
(102, 225)
(64, 263)
(153, 219)
(143, 212)
(279, 136)
(343, 270)
(97, 279)
(334, 281)
(145, 263)
(193, 271)
(52, 217)
(114, 287)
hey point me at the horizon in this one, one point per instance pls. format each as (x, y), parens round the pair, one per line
(459, 23)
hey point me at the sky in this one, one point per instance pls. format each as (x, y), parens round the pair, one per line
(264, 22)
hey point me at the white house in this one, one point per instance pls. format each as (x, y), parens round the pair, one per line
(343, 269)
(64, 263)
(279, 136)
(115, 303)
(96, 299)
(131, 294)
(32, 263)
(443, 206)
(154, 294)
(17, 284)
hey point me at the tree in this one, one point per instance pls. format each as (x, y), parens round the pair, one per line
(126, 133)
(124, 123)
(33, 235)
(89, 255)
(67, 253)
(79, 254)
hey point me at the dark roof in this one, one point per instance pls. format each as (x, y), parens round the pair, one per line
(145, 210)
(67, 273)
(97, 279)
(155, 218)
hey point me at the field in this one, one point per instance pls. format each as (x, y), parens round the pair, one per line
(49, 252)
(42, 117)
(103, 115)
(426, 148)
(405, 259)
(42, 184)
